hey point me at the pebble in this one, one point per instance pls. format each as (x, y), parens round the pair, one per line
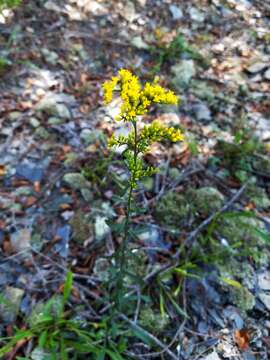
(256, 67)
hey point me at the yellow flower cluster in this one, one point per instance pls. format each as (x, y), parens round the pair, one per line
(158, 94)
(108, 88)
(157, 131)
(136, 100)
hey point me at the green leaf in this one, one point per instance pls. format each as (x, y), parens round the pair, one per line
(67, 286)
(42, 338)
(231, 282)
(262, 235)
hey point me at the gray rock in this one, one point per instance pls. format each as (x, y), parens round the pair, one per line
(51, 57)
(267, 74)
(176, 12)
(101, 228)
(42, 133)
(35, 123)
(88, 136)
(53, 120)
(87, 194)
(264, 280)
(10, 304)
(139, 43)
(212, 356)
(202, 112)
(183, 73)
(76, 181)
(20, 240)
(265, 299)
(53, 104)
(14, 115)
(256, 67)
(196, 15)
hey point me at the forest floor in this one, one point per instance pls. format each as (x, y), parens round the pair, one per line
(60, 185)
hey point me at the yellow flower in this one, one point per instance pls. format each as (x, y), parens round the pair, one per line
(108, 88)
(135, 100)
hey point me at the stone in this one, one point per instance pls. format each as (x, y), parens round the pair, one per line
(42, 133)
(90, 136)
(139, 43)
(267, 74)
(265, 299)
(101, 228)
(196, 15)
(212, 356)
(256, 67)
(76, 181)
(183, 73)
(264, 280)
(176, 12)
(53, 104)
(202, 112)
(51, 57)
(53, 120)
(30, 172)
(10, 303)
(34, 122)
(129, 12)
(14, 115)
(20, 240)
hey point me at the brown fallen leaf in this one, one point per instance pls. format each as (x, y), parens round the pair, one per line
(241, 337)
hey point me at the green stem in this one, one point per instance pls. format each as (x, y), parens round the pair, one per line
(123, 248)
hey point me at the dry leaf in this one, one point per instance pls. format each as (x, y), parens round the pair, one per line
(241, 337)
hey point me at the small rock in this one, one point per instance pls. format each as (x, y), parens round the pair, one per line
(101, 228)
(30, 172)
(53, 120)
(90, 136)
(196, 15)
(264, 281)
(139, 43)
(183, 73)
(51, 57)
(20, 240)
(267, 74)
(218, 48)
(202, 112)
(212, 356)
(176, 12)
(35, 123)
(76, 181)
(256, 67)
(42, 133)
(14, 115)
(87, 195)
(10, 304)
(129, 12)
(52, 105)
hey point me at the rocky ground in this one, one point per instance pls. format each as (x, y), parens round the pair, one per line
(59, 184)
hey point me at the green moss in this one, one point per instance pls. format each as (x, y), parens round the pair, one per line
(258, 197)
(82, 228)
(205, 200)
(153, 321)
(172, 210)
(242, 298)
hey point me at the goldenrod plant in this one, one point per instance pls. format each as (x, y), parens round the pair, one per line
(136, 102)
